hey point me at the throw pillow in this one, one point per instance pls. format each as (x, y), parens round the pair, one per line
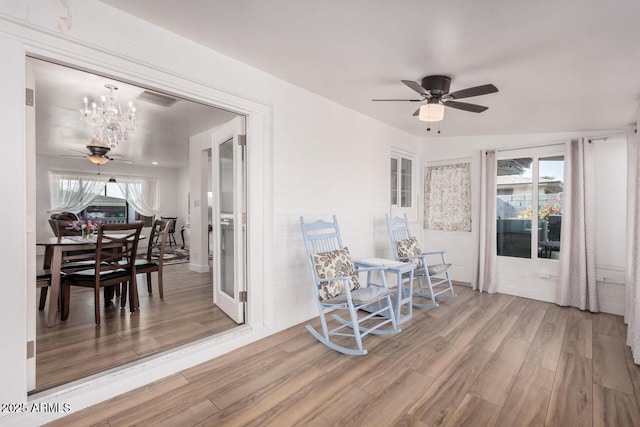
(334, 264)
(410, 248)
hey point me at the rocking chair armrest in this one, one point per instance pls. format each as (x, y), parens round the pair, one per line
(333, 279)
(434, 253)
(409, 258)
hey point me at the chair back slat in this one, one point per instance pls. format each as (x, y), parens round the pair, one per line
(158, 238)
(321, 236)
(398, 230)
(117, 245)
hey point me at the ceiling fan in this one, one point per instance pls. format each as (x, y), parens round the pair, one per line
(434, 90)
(97, 154)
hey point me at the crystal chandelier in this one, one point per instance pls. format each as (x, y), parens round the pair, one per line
(108, 122)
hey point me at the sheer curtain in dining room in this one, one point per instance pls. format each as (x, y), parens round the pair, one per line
(72, 191)
(141, 193)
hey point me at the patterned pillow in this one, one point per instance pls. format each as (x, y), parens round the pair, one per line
(409, 248)
(334, 264)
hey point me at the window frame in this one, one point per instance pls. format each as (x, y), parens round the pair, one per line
(535, 153)
(396, 208)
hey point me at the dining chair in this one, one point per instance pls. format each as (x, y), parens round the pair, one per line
(116, 247)
(406, 248)
(43, 282)
(74, 260)
(155, 253)
(337, 287)
(172, 230)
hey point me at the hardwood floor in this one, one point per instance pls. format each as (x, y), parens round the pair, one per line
(477, 360)
(78, 348)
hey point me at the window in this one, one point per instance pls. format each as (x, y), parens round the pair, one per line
(401, 181)
(111, 207)
(530, 191)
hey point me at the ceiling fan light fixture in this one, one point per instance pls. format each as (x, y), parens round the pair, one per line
(432, 112)
(98, 159)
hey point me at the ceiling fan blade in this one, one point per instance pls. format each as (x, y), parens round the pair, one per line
(474, 108)
(78, 151)
(473, 91)
(416, 86)
(410, 100)
(73, 155)
(417, 112)
(131, 162)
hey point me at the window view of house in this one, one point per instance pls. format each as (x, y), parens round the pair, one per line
(518, 208)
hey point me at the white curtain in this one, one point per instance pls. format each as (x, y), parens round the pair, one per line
(72, 192)
(577, 280)
(486, 271)
(632, 276)
(141, 193)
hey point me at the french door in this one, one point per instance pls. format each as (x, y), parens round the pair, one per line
(229, 219)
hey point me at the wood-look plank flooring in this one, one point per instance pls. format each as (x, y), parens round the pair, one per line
(78, 348)
(477, 360)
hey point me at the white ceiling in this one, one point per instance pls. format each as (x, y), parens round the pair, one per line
(559, 65)
(161, 134)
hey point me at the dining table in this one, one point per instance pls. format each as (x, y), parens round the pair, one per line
(56, 249)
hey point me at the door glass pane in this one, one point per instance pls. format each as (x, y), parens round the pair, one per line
(550, 194)
(405, 183)
(394, 181)
(514, 207)
(227, 276)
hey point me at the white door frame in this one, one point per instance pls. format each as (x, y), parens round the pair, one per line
(259, 118)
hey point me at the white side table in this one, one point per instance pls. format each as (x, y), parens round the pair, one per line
(402, 296)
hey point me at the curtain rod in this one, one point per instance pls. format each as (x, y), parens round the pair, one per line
(523, 147)
(555, 143)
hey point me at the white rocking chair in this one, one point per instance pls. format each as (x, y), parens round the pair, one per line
(336, 287)
(405, 248)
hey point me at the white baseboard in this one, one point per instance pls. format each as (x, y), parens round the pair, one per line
(198, 268)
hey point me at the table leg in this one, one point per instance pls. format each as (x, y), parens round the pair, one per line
(182, 234)
(56, 266)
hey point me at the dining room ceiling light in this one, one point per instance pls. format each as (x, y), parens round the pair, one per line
(431, 112)
(98, 159)
(108, 122)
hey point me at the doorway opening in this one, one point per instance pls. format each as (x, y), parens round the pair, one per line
(159, 149)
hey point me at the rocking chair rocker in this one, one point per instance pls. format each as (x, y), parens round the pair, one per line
(336, 287)
(405, 248)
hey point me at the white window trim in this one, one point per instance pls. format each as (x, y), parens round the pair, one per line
(536, 153)
(412, 212)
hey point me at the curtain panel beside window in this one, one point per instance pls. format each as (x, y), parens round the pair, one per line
(447, 197)
(141, 193)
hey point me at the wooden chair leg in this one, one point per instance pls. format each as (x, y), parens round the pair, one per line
(43, 297)
(124, 289)
(134, 303)
(108, 295)
(160, 284)
(149, 288)
(66, 299)
(96, 303)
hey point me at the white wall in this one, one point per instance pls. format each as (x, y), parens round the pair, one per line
(319, 158)
(170, 195)
(523, 276)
